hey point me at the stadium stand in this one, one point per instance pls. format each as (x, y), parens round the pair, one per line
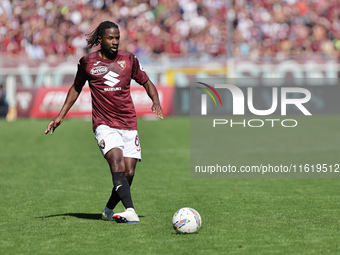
(158, 29)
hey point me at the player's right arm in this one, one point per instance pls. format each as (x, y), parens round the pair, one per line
(71, 98)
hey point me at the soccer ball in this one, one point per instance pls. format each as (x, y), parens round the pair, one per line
(187, 220)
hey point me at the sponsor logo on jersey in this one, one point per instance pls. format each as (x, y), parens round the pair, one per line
(112, 89)
(98, 70)
(121, 64)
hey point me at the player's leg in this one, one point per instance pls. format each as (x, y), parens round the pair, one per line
(117, 165)
(132, 154)
(111, 143)
(114, 198)
(130, 168)
(129, 215)
(116, 162)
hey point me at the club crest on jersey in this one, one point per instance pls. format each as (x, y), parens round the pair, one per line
(121, 64)
(98, 70)
(101, 144)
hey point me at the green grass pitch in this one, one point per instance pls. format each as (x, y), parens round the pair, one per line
(53, 189)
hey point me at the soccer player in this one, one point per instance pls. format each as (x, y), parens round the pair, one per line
(109, 72)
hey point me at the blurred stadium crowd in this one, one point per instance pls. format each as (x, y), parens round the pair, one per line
(156, 29)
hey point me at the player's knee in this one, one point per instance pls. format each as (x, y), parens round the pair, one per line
(130, 179)
(116, 165)
(115, 160)
(129, 172)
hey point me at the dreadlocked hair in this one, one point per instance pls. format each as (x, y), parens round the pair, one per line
(99, 31)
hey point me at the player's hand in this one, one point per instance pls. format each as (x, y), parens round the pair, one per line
(157, 110)
(54, 123)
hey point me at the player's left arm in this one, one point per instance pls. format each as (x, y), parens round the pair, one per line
(153, 94)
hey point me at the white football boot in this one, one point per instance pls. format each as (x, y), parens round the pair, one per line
(107, 214)
(129, 216)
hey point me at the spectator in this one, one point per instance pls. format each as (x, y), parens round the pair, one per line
(46, 29)
(3, 102)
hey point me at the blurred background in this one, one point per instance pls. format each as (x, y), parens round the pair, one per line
(178, 42)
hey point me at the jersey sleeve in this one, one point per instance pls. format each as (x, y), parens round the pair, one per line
(81, 76)
(138, 73)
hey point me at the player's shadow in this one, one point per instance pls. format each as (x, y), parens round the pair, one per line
(87, 216)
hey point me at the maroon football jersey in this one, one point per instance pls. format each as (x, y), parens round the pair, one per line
(109, 82)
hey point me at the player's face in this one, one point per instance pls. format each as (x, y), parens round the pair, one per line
(110, 42)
